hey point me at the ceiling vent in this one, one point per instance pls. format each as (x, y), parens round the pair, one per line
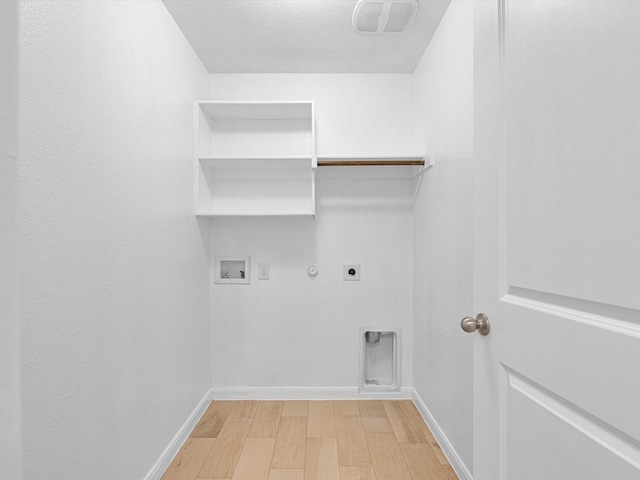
(383, 16)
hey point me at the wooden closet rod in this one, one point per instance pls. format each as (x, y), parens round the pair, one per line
(369, 162)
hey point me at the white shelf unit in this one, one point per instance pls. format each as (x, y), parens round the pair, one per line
(255, 158)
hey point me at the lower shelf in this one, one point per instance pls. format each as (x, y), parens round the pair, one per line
(257, 211)
(287, 188)
(251, 192)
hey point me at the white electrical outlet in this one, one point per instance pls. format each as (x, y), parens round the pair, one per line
(351, 272)
(263, 271)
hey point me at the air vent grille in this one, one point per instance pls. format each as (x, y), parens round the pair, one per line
(383, 16)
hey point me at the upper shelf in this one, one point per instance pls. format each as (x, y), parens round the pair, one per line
(255, 129)
(237, 110)
(370, 162)
(256, 162)
(261, 161)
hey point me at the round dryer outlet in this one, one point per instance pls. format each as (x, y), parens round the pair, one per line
(351, 272)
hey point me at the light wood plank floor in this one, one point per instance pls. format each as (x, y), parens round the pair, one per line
(311, 440)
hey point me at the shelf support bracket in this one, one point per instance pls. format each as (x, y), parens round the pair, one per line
(427, 165)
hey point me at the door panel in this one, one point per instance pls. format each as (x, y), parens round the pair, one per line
(573, 137)
(590, 448)
(557, 229)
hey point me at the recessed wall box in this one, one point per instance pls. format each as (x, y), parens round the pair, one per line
(233, 269)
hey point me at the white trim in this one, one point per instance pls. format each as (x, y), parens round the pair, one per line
(305, 393)
(454, 459)
(172, 449)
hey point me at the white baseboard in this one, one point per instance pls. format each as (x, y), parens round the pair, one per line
(167, 456)
(304, 393)
(454, 459)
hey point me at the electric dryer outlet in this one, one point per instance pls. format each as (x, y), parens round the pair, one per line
(351, 272)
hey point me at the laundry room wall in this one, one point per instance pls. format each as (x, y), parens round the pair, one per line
(10, 440)
(293, 330)
(114, 268)
(443, 231)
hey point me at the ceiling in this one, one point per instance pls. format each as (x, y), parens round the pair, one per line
(298, 36)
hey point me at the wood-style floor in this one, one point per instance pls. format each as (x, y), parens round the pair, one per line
(311, 440)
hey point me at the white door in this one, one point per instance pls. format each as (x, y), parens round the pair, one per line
(557, 239)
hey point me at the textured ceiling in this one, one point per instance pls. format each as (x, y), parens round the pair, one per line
(298, 36)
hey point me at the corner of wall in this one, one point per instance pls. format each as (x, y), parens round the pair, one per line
(442, 224)
(443, 441)
(10, 409)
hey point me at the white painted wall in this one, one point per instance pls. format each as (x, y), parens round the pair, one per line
(443, 230)
(115, 338)
(10, 440)
(356, 114)
(294, 331)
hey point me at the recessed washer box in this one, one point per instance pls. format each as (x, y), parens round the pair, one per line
(233, 269)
